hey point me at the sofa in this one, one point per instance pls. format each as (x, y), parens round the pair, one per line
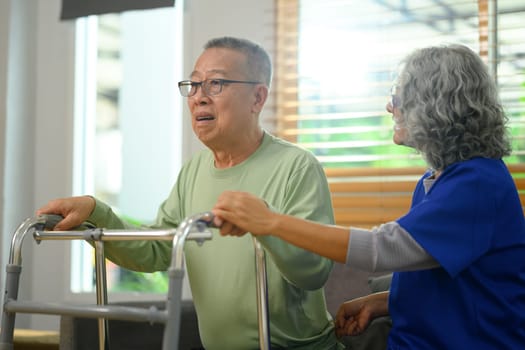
(344, 284)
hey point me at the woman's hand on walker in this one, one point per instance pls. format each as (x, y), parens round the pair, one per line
(237, 213)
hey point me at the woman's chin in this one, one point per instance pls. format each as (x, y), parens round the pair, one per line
(398, 140)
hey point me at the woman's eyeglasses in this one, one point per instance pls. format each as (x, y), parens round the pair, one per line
(395, 101)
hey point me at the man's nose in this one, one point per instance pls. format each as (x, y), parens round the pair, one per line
(200, 96)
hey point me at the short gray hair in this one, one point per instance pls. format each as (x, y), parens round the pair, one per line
(257, 58)
(451, 106)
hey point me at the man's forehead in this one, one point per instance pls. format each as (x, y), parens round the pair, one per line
(218, 61)
(209, 72)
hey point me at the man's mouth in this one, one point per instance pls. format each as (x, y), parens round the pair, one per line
(205, 118)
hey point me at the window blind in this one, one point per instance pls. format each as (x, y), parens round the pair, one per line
(335, 62)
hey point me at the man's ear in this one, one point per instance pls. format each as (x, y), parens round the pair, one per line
(261, 95)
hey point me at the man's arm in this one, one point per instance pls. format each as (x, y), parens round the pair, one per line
(306, 196)
(145, 256)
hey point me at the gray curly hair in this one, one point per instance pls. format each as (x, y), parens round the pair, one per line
(257, 58)
(451, 106)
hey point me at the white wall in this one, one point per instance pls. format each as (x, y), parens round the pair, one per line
(20, 101)
(5, 11)
(36, 118)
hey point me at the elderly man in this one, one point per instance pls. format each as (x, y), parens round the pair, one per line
(226, 93)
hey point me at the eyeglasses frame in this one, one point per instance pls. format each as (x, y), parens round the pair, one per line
(395, 100)
(196, 84)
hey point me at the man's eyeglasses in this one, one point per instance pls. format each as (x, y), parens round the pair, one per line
(395, 101)
(210, 87)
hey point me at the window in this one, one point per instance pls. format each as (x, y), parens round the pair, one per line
(128, 108)
(335, 61)
(334, 67)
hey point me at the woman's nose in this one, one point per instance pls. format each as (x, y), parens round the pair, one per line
(389, 107)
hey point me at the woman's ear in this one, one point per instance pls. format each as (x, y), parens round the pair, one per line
(261, 95)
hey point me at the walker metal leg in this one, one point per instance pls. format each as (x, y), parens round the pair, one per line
(262, 296)
(13, 270)
(102, 294)
(173, 307)
(200, 222)
(8, 318)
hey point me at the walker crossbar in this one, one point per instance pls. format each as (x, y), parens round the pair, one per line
(110, 312)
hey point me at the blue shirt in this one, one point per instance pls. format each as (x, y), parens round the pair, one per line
(471, 221)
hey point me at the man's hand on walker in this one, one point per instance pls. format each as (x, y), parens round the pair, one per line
(74, 210)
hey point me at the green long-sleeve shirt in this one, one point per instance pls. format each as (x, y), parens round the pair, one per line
(221, 272)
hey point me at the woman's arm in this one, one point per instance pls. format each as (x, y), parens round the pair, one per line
(241, 212)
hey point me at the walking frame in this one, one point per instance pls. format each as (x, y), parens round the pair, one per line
(195, 228)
